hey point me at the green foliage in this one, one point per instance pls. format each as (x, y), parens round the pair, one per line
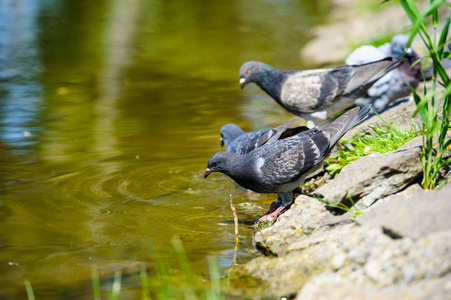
(382, 139)
(355, 212)
(429, 106)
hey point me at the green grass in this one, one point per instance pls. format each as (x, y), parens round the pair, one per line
(29, 289)
(355, 212)
(163, 281)
(185, 284)
(381, 139)
(431, 102)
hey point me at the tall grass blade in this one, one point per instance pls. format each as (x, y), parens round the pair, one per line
(443, 36)
(184, 264)
(116, 289)
(215, 289)
(29, 289)
(95, 283)
(144, 283)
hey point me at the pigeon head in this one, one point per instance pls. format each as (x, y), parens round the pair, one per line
(218, 162)
(398, 45)
(254, 71)
(229, 132)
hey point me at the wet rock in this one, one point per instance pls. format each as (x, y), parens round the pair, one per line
(415, 216)
(304, 216)
(249, 206)
(375, 176)
(304, 257)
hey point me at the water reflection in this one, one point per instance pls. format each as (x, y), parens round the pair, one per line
(20, 86)
(109, 111)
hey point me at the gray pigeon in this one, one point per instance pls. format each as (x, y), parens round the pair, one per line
(396, 83)
(237, 141)
(315, 95)
(281, 166)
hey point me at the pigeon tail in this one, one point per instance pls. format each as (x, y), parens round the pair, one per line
(367, 74)
(338, 126)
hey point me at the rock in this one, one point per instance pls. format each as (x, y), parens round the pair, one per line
(362, 255)
(303, 217)
(410, 190)
(333, 286)
(375, 176)
(286, 274)
(343, 35)
(415, 216)
(249, 206)
(349, 26)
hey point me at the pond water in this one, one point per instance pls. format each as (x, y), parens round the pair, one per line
(109, 111)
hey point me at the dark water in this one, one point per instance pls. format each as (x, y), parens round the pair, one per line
(109, 111)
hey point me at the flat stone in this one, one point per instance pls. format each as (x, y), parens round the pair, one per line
(375, 176)
(415, 216)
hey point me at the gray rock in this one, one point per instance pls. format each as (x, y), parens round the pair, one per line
(333, 286)
(362, 255)
(375, 176)
(409, 191)
(304, 216)
(415, 216)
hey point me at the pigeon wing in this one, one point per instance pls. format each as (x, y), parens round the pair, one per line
(247, 142)
(287, 160)
(307, 91)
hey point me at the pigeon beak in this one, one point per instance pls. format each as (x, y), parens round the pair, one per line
(242, 82)
(207, 172)
(222, 142)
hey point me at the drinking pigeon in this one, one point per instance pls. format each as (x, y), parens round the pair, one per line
(237, 141)
(315, 95)
(281, 166)
(396, 83)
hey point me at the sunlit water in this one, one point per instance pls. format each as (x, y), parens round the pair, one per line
(109, 111)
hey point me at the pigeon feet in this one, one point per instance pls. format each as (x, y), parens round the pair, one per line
(271, 216)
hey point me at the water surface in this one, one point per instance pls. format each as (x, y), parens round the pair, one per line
(109, 111)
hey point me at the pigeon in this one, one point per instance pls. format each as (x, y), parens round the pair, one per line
(396, 83)
(281, 166)
(315, 95)
(237, 141)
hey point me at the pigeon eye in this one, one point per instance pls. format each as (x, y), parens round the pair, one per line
(246, 72)
(215, 164)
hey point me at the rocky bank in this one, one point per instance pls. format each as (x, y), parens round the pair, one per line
(399, 248)
(398, 245)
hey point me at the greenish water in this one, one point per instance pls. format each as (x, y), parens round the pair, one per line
(109, 111)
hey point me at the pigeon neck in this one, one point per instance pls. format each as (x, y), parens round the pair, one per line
(236, 164)
(270, 80)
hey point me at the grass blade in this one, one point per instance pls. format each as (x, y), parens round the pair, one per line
(95, 283)
(29, 289)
